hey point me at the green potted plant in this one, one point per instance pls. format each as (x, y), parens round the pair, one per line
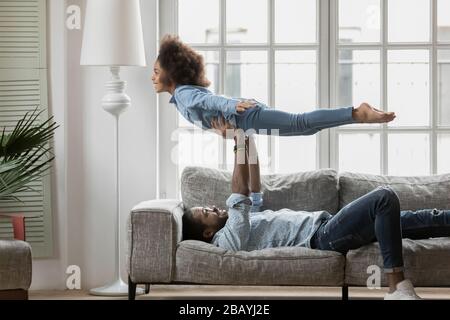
(25, 154)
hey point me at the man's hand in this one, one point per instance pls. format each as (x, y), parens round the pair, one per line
(244, 105)
(223, 127)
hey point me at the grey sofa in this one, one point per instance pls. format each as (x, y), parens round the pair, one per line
(158, 255)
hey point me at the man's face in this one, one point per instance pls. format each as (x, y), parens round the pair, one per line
(213, 218)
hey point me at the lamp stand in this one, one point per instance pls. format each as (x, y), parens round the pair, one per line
(115, 102)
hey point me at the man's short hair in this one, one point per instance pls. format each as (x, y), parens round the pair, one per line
(192, 229)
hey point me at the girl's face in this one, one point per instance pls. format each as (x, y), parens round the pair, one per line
(158, 79)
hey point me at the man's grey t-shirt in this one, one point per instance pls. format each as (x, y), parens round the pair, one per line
(247, 231)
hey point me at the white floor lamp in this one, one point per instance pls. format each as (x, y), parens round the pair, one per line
(113, 37)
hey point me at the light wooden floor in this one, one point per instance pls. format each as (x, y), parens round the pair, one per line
(159, 292)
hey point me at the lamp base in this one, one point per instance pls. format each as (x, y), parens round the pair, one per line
(116, 289)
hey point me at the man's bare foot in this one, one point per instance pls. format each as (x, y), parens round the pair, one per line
(367, 114)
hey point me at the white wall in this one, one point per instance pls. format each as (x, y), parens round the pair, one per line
(84, 181)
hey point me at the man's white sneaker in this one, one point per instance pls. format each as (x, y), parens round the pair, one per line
(405, 291)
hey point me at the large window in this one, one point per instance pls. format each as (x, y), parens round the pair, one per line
(298, 55)
(398, 62)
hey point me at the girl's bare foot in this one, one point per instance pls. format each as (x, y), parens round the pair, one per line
(367, 114)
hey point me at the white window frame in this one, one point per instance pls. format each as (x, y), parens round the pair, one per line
(432, 47)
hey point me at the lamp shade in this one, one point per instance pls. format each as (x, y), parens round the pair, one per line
(113, 34)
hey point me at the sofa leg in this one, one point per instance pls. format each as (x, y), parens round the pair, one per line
(344, 292)
(147, 288)
(131, 289)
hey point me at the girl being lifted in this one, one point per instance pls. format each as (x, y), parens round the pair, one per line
(180, 71)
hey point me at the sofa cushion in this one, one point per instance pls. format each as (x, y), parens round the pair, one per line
(427, 262)
(309, 191)
(427, 192)
(204, 263)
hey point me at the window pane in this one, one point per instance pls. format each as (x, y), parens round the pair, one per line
(359, 152)
(408, 87)
(443, 160)
(358, 77)
(295, 21)
(408, 20)
(444, 87)
(194, 26)
(247, 21)
(295, 81)
(295, 154)
(262, 145)
(443, 12)
(409, 154)
(212, 73)
(246, 75)
(196, 148)
(359, 21)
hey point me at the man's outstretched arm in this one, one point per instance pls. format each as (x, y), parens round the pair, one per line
(255, 179)
(253, 165)
(224, 129)
(241, 176)
(235, 234)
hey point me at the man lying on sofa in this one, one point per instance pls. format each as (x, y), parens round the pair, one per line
(373, 217)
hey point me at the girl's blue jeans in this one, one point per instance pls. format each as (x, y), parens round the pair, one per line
(374, 217)
(265, 120)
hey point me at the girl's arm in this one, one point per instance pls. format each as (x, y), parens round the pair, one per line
(192, 97)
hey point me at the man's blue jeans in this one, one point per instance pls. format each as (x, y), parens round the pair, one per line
(268, 121)
(374, 217)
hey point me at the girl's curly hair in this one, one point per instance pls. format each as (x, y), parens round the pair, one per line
(181, 64)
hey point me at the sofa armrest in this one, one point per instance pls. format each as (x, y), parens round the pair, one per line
(154, 230)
